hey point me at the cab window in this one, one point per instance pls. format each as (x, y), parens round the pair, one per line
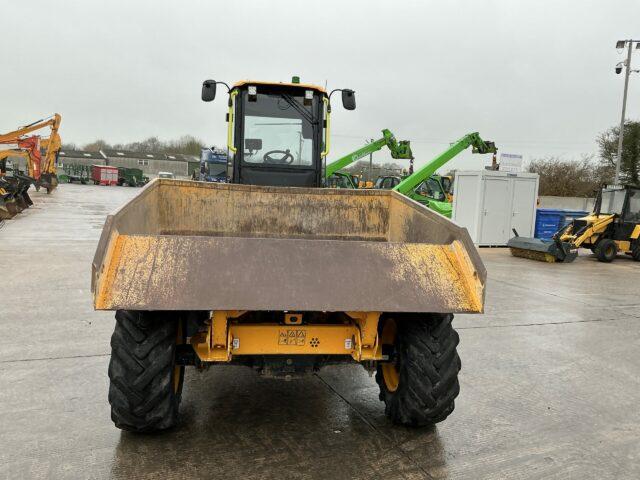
(431, 188)
(633, 212)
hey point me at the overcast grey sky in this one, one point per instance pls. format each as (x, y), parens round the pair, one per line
(534, 76)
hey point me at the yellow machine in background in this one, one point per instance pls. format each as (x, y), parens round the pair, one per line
(447, 184)
(41, 170)
(612, 228)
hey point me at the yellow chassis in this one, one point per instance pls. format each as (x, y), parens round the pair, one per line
(597, 225)
(225, 337)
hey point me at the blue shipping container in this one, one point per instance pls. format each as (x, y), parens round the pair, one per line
(549, 221)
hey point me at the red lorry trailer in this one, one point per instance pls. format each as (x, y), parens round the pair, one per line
(104, 175)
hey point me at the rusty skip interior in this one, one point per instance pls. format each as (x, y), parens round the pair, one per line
(228, 210)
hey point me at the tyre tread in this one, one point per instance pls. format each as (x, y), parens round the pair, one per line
(141, 371)
(428, 373)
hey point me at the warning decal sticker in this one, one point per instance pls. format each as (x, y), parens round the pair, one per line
(292, 336)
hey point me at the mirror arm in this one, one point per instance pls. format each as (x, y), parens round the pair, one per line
(228, 88)
(229, 102)
(331, 93)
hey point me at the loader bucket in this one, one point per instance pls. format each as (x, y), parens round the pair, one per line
(23, 184)
(8, 206)
(181, 245)
(542, 250)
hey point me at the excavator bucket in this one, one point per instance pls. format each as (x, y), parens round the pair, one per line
(48, 181)
(181, 245)
(21, 185)
(9, 208)
(13, 201)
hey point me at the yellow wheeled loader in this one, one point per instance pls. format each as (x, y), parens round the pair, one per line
(612, 227)
(266, 271)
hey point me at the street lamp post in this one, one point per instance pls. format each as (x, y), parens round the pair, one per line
(627, 65)
(371, 163)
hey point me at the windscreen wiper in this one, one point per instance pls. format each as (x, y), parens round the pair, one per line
(302, 111)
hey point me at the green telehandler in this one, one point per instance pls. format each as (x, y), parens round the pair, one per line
(337, 179)
(426, 188)
(424, 185)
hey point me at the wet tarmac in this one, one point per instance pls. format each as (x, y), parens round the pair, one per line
(550, 383)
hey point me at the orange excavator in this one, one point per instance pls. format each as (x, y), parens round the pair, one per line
(41, 168)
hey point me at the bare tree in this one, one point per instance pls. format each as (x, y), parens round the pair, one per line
(187, 144)
(96, 145)
(570, 178)
(608, 146)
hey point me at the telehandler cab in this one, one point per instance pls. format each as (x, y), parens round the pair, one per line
(266, 271)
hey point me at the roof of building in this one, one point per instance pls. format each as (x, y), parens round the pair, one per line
(111, 153)
(80, 154)
(182, 158)
(129, 154)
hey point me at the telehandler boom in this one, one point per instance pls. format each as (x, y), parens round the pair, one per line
(257, 273)
(422, 188)
(399, 150)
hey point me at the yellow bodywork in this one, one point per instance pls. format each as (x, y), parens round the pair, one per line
(596, 225)
(50, 144)
(226, 338)
(307, 86)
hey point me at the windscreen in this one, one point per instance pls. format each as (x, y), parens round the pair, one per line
(612, 201)
(278, 130)
(430, 188)
(338, 181)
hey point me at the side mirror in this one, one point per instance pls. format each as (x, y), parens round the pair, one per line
(208, 90)
(348, 99)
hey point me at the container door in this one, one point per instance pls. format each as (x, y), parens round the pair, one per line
(523, 209)
(466, 202)
(495, 212)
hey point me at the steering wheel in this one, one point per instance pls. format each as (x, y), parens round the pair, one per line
(286, 157)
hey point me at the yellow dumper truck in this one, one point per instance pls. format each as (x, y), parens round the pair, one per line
(267, 271)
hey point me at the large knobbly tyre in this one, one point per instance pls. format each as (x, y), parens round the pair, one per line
(606, 250)
(635, 251)
(146, 385)
(421, 383)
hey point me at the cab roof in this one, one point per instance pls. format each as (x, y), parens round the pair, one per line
(308, 86)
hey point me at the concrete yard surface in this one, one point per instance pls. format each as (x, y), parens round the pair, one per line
(550, 381)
